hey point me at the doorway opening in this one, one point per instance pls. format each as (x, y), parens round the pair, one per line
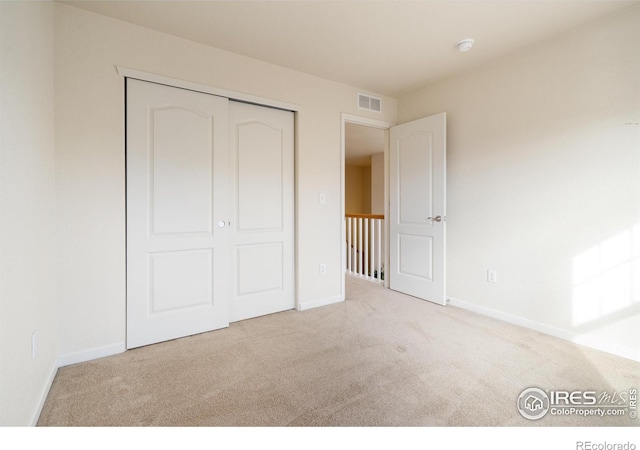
(414, 220)
(364, 159)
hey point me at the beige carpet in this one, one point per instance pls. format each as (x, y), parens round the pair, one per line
(378, 359)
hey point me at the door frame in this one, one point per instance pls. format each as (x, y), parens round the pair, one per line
(126, 72)
(373, 123)
(231, 95)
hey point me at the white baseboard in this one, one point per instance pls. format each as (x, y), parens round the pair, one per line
(619, 350)
(65, 360)
(93, 353)
(320, 302)
(44, 393)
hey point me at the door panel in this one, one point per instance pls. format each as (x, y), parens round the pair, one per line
(415, 166)
(181, 175)
(180, 280)
(263, 230)
(259, 176)
(417, 256)
(254, 276)
(177, 261)
(417, 195)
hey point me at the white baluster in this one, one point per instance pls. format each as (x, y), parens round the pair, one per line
(354, 267)
(372, 265)
(360, 245)
(366, 248)
(380, 260)
(348, 256)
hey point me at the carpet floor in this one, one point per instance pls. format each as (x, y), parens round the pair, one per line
(379, 359)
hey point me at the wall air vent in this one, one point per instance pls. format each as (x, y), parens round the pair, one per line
(369, 103)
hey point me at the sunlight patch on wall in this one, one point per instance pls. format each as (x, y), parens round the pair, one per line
(606, 277)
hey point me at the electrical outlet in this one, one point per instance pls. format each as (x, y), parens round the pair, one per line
(492, 276)
(323, 269)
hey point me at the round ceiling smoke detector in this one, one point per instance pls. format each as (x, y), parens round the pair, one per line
(465, 45)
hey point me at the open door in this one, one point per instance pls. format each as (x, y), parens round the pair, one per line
(417, 208)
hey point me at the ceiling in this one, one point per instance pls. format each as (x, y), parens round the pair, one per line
(384, 47)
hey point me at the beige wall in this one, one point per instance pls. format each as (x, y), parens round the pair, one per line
(544, 183)
(357, 189)
(377, 183)
(90, 163)
(27, 205)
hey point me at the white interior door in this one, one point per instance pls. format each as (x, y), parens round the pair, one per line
(417, 208)
(177, 198)
(263, 210)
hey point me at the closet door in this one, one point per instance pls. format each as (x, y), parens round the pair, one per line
(178, 238)
(262, 209)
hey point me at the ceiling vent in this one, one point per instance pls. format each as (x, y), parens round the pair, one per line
(369, 103)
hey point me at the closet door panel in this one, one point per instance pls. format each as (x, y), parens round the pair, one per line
(177, 192)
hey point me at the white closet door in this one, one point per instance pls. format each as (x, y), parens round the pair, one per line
(262, 210)
(177, 212)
